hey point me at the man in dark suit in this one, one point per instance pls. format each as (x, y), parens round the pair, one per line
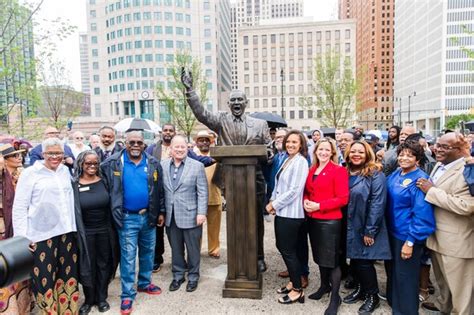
(107, 146)
(186, 196)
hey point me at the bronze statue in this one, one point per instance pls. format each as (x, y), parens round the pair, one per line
(234, 128)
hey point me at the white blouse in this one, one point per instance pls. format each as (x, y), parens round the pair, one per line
(44, 203)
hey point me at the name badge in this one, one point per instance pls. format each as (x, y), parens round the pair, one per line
(117, 173)
(82, 189)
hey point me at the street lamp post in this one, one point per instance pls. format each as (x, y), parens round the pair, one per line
(399, 100)
(409, 98)
(282, 78)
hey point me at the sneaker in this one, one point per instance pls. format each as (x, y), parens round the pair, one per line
(150, 289)
(126, 307)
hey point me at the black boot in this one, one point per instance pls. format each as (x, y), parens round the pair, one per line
(354, 296)
(333, 305)
(370, 304)
(319, 294)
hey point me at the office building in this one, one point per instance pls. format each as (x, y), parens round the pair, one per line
(84, 59)
(133, 42)
(268, 53)
(433, 73)
(250, 12)
(374, 59)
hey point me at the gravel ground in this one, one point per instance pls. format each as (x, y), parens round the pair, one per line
(207, 299)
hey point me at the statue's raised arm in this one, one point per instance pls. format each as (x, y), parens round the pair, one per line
(204, 116)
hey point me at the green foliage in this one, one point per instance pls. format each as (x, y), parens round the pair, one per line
(174, 97)
(334, 89)
(454, 121)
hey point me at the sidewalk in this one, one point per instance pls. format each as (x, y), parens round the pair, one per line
(207, 299)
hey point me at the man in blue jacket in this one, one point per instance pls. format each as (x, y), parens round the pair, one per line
(137, 198)
(37, 152)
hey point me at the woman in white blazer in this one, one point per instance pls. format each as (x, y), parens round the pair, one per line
(287, 204)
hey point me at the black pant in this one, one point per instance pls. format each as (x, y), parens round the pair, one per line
(159, 246)
(286, 234)
(100, 252)
(365, 274)
(260, 208)
(302, 248)
(403, 278)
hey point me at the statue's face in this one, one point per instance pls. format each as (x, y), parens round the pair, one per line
(237, 103)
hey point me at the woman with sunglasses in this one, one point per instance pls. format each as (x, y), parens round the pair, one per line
(43, 212)
(326, 192)
(16, 298)
(92, 207)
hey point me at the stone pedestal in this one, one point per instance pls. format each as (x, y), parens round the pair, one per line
(238, 164)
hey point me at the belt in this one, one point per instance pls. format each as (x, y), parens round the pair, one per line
(140, 211)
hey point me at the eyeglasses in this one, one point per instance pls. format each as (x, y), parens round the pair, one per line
(79, 138)
(91, 163)
(445, 147)
(53, 155)
(134, 143)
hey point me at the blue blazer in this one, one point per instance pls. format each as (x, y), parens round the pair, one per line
(366, 217)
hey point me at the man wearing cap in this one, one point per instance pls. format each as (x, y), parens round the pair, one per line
(373, 141)
(214, 204)
(37, 152)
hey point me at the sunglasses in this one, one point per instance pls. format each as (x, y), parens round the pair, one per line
(79, 138)
(91, 163)
(134, 143)
(16, 155)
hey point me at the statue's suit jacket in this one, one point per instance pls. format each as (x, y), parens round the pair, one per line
(454, 213)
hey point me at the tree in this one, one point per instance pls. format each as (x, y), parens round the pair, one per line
(454, 121)
(174, 97)
(333, 91)
(60, 102)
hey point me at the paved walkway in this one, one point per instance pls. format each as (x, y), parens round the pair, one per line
(207, 299)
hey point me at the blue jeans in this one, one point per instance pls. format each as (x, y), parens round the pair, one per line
(136, 232)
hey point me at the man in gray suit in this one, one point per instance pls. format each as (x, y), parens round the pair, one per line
(186, 197)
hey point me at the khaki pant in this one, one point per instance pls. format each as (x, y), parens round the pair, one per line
(214, 214)
(455, 278)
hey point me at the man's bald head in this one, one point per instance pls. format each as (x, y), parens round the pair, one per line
(405, 132)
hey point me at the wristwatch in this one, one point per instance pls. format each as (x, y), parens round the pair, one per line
(409, 244)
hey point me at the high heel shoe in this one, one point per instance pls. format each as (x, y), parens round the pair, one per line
(333, 306)
(284, 290)
(319, 294)
(287, 300)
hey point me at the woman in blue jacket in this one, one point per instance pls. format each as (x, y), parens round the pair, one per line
(367, 237)
(410, 222)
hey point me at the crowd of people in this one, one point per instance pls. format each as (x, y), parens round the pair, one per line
(90, 209)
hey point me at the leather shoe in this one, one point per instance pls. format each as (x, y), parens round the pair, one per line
(262, 266)
(284, 274)
(85, 309)
(176, 284)
(103, 306)
(191, 286)
(430, 307)
(304, 282)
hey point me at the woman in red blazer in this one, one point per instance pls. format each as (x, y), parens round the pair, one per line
(326, 192)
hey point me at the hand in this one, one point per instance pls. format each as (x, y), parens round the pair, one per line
(32, 247)
(68, 160)
(424, 184)
(161, 220)
(201, 218)
(187, 79)
(407, 251)
(310, 206)
(269, 208)
(380, 154)
(368, 241)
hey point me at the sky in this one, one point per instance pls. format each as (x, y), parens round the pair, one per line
(74, 11)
